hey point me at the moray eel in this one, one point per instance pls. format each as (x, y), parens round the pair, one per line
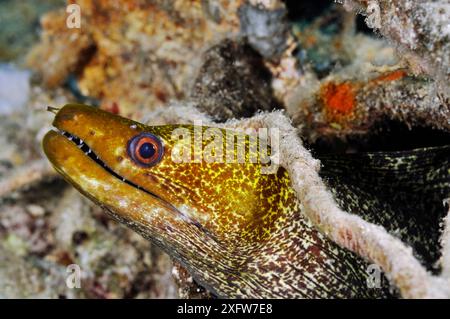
(239, 232)
(404, 191)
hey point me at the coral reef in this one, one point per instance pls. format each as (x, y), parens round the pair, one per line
(343, 107)
(341, 83)
(233, 82)
(419, 29)
(264, 27)
(228, 59)
(134, 55)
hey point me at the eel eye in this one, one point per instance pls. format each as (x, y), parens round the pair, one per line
(145, 149)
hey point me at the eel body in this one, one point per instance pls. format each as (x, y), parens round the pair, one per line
(404, 191)
(238, 231)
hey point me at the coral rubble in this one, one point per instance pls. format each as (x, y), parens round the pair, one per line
(135, 55)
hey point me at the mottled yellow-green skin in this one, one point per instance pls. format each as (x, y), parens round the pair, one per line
(240, 232)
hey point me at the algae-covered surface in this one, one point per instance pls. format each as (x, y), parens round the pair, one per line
(342, 78)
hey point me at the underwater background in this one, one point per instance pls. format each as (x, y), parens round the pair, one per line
(352, 76)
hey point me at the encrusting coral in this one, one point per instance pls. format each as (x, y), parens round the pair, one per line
(367, 84)
(117, 41)
(419, 29)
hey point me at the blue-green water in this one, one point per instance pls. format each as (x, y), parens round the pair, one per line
(20, 26)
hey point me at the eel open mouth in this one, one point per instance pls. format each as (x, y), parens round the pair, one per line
(88, 151)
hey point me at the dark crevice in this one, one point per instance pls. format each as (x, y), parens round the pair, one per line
(385, 136)
(361, 25)
(401, 184)
(306, 10)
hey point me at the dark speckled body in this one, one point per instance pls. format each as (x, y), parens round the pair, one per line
(403, 191)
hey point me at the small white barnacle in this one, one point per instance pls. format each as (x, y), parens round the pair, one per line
(373, 18)
(133, 126)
